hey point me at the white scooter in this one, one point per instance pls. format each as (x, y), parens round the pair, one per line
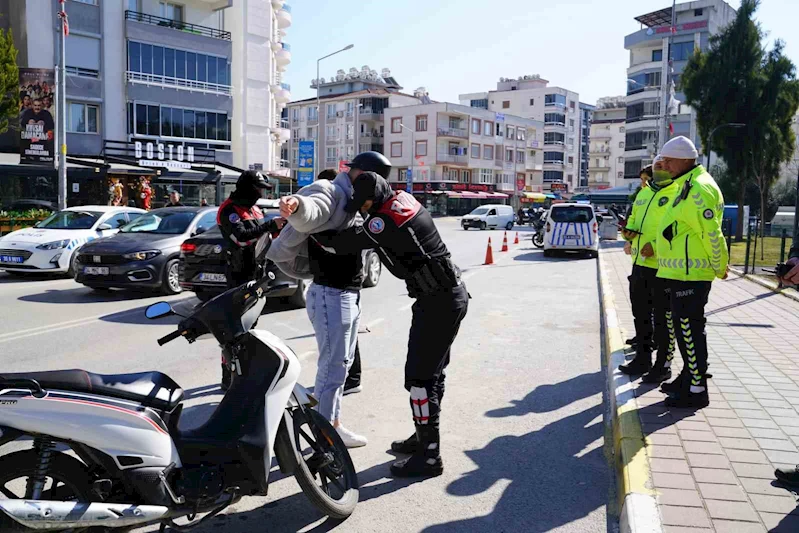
(135, 467)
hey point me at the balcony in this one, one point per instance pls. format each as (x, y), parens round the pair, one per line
(602, 150)
(284, 17)
(187, 27)
(277, 4)
(180, 83)
(601, 134)
(530, 164)
(451, 159)
(554, 162)
(460, 133)
(555, 125)
(367, 113)
(555, 144)
(283, 56)
(282, 92)
(281, 130)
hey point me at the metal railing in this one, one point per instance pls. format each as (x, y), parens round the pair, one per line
(450, 158)
(169, 81)
(453, 132)
(177, 25)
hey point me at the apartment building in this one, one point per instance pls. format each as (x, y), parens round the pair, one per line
(460, 156)
(606, 151)
(558, 108)
(195, 76)
(353, 107)
(648, 76)
(586, 118)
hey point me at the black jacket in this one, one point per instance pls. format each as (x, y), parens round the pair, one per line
(242, 226)
(404, 235)
(340, 271)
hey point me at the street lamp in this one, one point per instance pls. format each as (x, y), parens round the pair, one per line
(319, 111)
(413, 154)
(736, 125)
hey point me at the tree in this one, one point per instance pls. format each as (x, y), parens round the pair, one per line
(9, 80)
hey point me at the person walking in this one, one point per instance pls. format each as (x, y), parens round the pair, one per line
(691, 252)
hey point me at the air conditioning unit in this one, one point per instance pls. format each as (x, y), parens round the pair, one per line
(339, 113)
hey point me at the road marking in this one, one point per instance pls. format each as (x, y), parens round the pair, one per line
(62, 325)
(287, 326)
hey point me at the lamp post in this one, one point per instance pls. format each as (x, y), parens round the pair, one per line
(713, 132)
(413, 157)
(319, 111)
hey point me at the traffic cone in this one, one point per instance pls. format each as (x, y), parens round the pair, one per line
(505, 243)
(516, 240)
(489, 254)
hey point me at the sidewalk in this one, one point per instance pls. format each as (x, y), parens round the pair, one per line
(713, 470)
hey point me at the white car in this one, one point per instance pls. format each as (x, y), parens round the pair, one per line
(50, 245)
(494, 216)
(571, 227)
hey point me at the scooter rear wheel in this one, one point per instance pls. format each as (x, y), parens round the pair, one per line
(324, 468)
(538, 240)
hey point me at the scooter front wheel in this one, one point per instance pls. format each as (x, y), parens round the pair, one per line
(324, 467)
(538, 240)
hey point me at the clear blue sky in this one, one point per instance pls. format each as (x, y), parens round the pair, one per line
(466, 46)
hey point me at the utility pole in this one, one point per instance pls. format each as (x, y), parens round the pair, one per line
(61, 128)
(413, 154)
(666, 99)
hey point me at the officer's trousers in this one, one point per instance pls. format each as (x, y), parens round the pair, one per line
(434, 326)
(654, 324)
(688, 301)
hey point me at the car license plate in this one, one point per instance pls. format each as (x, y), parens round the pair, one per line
(214, 278)
(572, 237)
(11, 259)
(96, 271)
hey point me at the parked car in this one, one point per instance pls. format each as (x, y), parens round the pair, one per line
(145, 253)
(490, 216)
(202, 267)
(571, 227)
(50, 245)
(25, 204)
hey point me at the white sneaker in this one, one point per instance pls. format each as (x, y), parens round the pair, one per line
(351, 440)
(353, 390)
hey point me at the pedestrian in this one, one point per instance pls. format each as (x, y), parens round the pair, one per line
(242, 223)
(649, 294)
(691, 253)
(204, 203)
(174, 199)
(403, 232)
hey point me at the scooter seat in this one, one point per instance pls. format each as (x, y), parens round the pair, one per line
(152, 389)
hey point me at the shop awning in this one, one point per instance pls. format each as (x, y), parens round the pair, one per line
(453, 194)
(468, 194)
(496, 195)
(535, 196)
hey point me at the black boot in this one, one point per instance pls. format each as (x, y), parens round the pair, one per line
(631, 342)
(689, 400)
(425, 462)
(640, 365)
(658, 374)
(226, 378)
(788, 476)
(407, 446)
(674, 388)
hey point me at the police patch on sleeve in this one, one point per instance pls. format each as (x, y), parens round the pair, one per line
(663, 201)
(234, 218)
(708, 214)
(377, 225)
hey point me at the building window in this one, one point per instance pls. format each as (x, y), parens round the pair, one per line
(698, 12)
(553, 176)
(481, 103)
(571, 123)
(486, 175)
(295, 156)
(421, 148)
(331, 110)
(453, 174)
(509, 155)
(395, 125)
(350, 108)
(295, 114)
(172, 11)
(553, 157)
(520, 134)
(505, 104)
(396, 149)
(488, 128)
(82, 118)
(571, 104)
(350, 131)
(511, 131)
(421, 122)
(532, 101)
(313, 113)
(475, 151)
(331, 132)
(520, 156)
(571, 160)
(180, 122)
(466, 176)
(551, 137)
(571, 178)
(500, 130)
(476, 126)
(310, 133)
(350, 152)
(554, 119)
(488, 151)
(295, 133)
(331, 153)
(90, 2)
(554, 100)
(682, 51)
(169, 65)
(83, 72)
(657, 55)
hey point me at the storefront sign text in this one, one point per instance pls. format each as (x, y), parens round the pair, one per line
(164, 155)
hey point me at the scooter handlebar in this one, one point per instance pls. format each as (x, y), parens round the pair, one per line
(169, 338)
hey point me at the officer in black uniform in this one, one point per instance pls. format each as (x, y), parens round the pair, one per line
(242, 223)
(404, 235)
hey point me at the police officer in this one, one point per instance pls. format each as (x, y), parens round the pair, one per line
(403, 233)
(649, 295)
(242, 223)
(691, 253)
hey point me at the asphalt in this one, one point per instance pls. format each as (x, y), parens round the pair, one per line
(523, 420)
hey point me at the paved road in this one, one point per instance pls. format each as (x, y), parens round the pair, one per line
(523, 417)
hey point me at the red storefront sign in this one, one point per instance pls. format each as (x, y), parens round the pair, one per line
(682, 27)
(558, 187)
(442, 186)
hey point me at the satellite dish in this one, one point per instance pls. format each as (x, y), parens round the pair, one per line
(385, 73)
(321, 80)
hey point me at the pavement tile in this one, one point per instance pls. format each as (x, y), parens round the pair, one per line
(764, 433)
(759, 422)
(781, 412)
(682, 529)
(738, 397)
(789, 421)
(786, 387)
(727, 526)
(690, 425)
(725, 422)
(677, 497)
(731, 510)
(761, 471)
(776, 456)
(714, 475)
(666, 452)
(658, 429)
(713, 491)
(663, 440)
(751, 413)
(777, 444)
(704, 460)
(669, 466)
(746, 456)
(738, 444)
(708, 447)
(738, 433)
(774, 504)
(702, 436)
(662, 480)
(719, 413)
(684, 516)
(744, 405)
(763, 486)
(779, 523)
(770, 402)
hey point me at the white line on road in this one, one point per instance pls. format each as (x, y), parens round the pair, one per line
(59, 326)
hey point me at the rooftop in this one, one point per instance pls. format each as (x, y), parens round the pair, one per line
(661, 17)
(346, 96)
(365, 75)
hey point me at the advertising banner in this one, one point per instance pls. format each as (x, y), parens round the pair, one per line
(306, 160)
(37, 116)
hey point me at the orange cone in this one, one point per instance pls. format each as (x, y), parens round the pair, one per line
(516, 240)
(505, 243)
(489, 254)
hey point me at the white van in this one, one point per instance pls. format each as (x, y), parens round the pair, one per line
(489, 216)
(571, 227)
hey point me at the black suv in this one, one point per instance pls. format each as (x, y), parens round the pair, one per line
(202, 268)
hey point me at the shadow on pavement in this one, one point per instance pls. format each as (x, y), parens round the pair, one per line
(741, 303)
(553, 479)
(538, 257)
(5, 277)
(84, 295)
(183, 306)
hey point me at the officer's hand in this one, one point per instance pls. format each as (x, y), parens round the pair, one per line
(792, 277)
(279, 222)
(628, 248)
(627, 234)
(726, 273)
(647, 250)
(288, 205)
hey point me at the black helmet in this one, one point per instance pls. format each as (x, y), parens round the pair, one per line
(372, 162)
(252, 178)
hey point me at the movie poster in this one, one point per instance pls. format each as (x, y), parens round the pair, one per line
(37, 115)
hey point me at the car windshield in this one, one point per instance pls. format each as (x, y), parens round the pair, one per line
(580, 215)
(164, 222)
(70, 220)
(479, 211)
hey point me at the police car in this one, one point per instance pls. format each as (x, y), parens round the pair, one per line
(49, 246)
(571, 227)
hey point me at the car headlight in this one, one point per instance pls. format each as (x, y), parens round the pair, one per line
(142, 256)
(53, 245)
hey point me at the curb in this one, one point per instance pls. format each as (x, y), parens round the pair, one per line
(767, 284)
(636, 496)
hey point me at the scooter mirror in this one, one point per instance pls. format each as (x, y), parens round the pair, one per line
(158, 310)
(262, 246)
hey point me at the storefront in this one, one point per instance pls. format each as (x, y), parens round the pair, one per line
(453, 199)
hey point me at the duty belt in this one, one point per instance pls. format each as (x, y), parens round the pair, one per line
(434, 276)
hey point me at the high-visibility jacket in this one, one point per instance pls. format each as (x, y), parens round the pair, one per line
(649, 207)
(690, 243)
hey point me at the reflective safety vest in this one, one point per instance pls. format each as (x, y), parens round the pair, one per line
(690, 243)
(648, 210)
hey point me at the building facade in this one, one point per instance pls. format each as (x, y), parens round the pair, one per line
(648, 76)
(586, 118)
(606, 151)
(558, 108)
(461, 156)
